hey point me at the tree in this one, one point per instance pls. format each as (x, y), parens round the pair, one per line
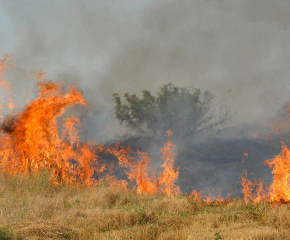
(185, 111)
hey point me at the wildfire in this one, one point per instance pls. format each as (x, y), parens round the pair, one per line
(31, 141)
(40, 138)
(280, 188)
(139, 171)
(247, 187)
(168, 176)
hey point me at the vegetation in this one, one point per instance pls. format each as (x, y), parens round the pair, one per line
(185, 111)
(32, 208)
(6, 234)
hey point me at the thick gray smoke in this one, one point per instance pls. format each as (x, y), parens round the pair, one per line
(239, 50)
(236, 49)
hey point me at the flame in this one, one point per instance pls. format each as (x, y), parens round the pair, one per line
(39, 138)
(31, 141)
(280, 188)
(196, 195)
(260, 193)
(168, 176)
(139, 171)
(247, 187)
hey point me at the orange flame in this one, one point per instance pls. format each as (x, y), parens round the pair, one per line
(136, 170)
(139, 171)
(39, 139)
(168, 176)
(247, 187)
(280, 188)
(196, 195)
(260, 195)
(31, 142)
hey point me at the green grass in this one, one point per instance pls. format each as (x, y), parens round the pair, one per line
(7, 234)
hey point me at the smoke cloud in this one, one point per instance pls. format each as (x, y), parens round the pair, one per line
(239, 50)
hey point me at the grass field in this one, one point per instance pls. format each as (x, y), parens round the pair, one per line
(31, 208)
(44, 206)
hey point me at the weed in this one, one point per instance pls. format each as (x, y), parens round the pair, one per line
(6, 234)
(217, 236)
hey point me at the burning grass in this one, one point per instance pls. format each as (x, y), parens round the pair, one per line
(51, 185)
(33, 141)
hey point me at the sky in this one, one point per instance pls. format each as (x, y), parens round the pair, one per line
(239, 50)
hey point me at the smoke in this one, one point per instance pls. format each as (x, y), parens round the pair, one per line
(231, 48)
(239, 50)
(70, 40)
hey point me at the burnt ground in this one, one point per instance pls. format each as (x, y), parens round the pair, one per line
(213, 166)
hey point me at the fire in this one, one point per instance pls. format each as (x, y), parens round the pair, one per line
(31, 143)
(260, 193)
(39, 138)
(139, 171)
(247, 187)
(168, 176)
(280, 188)
(196, 195)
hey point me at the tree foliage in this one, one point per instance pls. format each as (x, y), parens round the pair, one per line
(185, 111)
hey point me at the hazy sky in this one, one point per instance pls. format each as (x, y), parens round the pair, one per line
(239, 50)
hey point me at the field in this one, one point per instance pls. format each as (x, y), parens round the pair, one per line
(53, 185)
(32, 208)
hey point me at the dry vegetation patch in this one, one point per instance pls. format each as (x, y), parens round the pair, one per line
(32, 208)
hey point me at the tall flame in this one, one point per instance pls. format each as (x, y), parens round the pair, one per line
(32, 141)
(247, 187)
(280, 188)
(168, 176)
(40, 138)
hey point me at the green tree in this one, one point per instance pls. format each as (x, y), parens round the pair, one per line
(185, 111)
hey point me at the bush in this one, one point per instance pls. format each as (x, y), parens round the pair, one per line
(185, 111)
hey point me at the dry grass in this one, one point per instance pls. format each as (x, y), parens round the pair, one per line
(30, 208)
